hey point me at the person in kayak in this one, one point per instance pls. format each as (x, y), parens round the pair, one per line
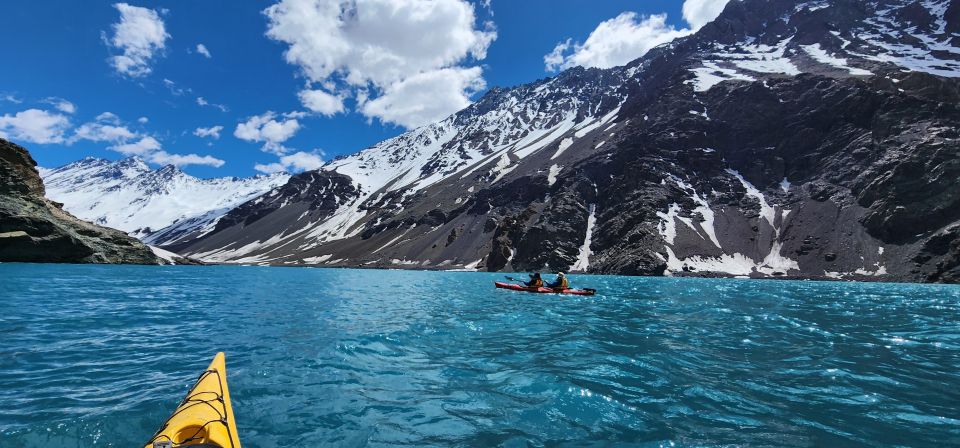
(560, 283)
(535, 281)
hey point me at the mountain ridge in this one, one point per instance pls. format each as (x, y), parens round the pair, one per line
(159, 206)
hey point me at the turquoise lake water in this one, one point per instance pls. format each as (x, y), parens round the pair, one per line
(100, 356)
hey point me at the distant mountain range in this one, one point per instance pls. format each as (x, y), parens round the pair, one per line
(807, 139)
(162, 206)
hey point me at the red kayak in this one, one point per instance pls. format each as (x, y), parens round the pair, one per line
(543, 290)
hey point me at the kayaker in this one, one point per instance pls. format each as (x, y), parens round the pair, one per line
(535, 281)
(561, 282)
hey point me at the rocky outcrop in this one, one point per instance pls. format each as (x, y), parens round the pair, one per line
(35, 229)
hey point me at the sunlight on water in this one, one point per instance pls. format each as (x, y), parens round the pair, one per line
(100, 355)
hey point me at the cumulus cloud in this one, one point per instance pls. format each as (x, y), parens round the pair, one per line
(201, 101)
(141, 147)
(108, 117)
(139, 35)
(151, 150)
(614, 42)
(212, 132)
(628, 36)
(298, 161)
(268, 129)
(105, 128)
(345, 43)
(425, 97)
(143, 120)
(34, 126)
(701, 12)
(321, 102)
(165, 158)
(202, 49)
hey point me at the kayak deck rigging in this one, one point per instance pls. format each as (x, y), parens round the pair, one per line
(205, 416)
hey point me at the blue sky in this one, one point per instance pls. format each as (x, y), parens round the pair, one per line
(68, 63)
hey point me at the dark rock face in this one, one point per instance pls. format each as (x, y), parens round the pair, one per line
(316, 190)
(34, 229)
(939, 257)
(307, 197)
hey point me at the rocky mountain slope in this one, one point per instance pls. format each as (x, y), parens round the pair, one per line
(162, 206)
(807, 139)
(35, 229)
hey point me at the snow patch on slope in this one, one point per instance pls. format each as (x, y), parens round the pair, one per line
(821, 56)
(165, 255)
(583, 258)
(552, 174)
(564, 144)
(736, 264)
(711, 74)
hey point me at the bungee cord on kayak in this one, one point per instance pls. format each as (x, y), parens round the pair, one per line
(202, 422)
(194, 401)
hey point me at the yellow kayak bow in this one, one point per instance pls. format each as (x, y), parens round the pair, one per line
(205, 416)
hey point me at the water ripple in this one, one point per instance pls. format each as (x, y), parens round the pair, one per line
(99, 355)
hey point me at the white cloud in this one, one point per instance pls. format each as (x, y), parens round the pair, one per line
(152, 151)
(701, 12)
(164, 158)
(34, 126)
(614, 42)
(486, 5)
(10, 98)
(99, 132)
(201, 101)
(628, 36)
(321, 102)
(346, 42)
(61, 104)
(139, 34)
(106, 127)
(298, 161)
(143, 120)
(266, 129)
(213, 132)
(426, 97)
(141, 147)
(108, 117)
(174, 89)
(202, 49)
(270, 168)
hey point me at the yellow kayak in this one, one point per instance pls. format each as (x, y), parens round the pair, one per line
(205, 417)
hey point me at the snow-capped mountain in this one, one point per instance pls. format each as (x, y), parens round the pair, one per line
(786, 138)
(161, 206)
(478, 146)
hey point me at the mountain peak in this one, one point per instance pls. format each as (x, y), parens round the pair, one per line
(133, 162)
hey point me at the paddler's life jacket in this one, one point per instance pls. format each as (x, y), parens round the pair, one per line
(535, 283)
(561, 283)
